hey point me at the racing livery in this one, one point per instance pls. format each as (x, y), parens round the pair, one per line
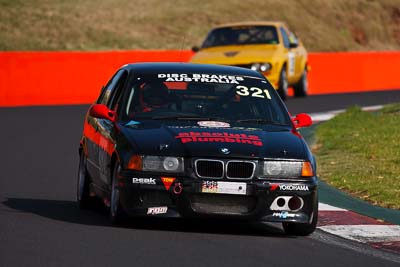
(198, 141)
(268, 47)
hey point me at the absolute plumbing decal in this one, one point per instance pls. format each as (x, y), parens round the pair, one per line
(219, 137)
(201, 78)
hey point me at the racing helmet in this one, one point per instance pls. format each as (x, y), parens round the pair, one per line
(155, 94)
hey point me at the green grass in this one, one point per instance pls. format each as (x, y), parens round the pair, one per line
(359, 152)
(323, 25)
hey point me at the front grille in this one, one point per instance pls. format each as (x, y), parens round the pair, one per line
(240, 169)
(210, 168)
(222, 204)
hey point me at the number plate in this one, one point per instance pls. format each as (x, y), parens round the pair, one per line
(223, 188)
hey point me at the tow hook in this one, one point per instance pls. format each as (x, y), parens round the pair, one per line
(178, 188)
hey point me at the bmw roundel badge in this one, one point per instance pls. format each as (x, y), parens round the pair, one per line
(225, 150)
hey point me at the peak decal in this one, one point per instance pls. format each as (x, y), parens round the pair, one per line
(206, 137)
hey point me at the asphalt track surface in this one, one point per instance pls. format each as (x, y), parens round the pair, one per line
(40, 224)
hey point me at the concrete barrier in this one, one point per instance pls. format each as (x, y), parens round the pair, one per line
(63, 78)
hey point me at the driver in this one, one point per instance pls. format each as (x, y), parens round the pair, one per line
(154, 95)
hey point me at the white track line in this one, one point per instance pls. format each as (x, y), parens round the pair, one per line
(365, 233)
(326, 207)
(324, 116)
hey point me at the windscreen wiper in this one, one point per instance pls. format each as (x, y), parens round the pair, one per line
(183, 118)
(263, 121)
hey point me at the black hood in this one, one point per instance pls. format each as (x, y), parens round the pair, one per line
(188, 139)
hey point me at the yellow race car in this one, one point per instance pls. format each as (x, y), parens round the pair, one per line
(268, 47)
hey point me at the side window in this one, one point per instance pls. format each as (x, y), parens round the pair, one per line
(106, 93)
(293, 38)
(117, 92)
(285, 38)
(103, 89)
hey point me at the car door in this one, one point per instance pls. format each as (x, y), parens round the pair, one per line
(292, 54)
(107, 132)
(94, 130)
(300, 55)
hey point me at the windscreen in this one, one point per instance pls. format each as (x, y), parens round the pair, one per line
(242, 35)
(203, 96)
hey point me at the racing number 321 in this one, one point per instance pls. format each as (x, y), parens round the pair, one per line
(252, 91)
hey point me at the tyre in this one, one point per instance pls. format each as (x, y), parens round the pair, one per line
(117, 212)
(302, 229)
(83, 197)
(283, 84)
(301, 88)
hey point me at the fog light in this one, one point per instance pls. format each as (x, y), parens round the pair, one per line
(295, 203)
(281, 202)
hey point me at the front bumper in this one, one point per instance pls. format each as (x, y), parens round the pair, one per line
(186, 197)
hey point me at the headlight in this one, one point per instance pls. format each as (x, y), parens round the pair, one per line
(171, 164)
(255, 66)
(162, 164)
(261, 67)
(287, 169)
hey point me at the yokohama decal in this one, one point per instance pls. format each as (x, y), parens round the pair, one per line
(206, 137)
(289, 187)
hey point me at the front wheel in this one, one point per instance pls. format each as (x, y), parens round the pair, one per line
(117, 212)
(301, 88)
(283, 84)
(302, 229)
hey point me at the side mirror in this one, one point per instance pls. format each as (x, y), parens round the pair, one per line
(195, 49)
(293, 45)
(101, 111)
(302, 120)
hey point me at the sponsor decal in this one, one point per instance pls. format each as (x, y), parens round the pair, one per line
(167, 181)
(157, 210)
(207, 137)
(274, 187)
(143, 180)
(201, 78)
(289, 187)
(209, 187)
(231, 188)
(213, 124)
(291, 63)
(283, 214)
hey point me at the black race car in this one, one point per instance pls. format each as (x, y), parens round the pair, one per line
(198, 141)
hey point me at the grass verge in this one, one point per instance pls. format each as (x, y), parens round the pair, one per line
(359, 152)
(323, 25)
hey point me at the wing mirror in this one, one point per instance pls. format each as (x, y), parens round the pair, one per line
(101, 111)
(195, 49)
(302, 120)
(293, 45)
